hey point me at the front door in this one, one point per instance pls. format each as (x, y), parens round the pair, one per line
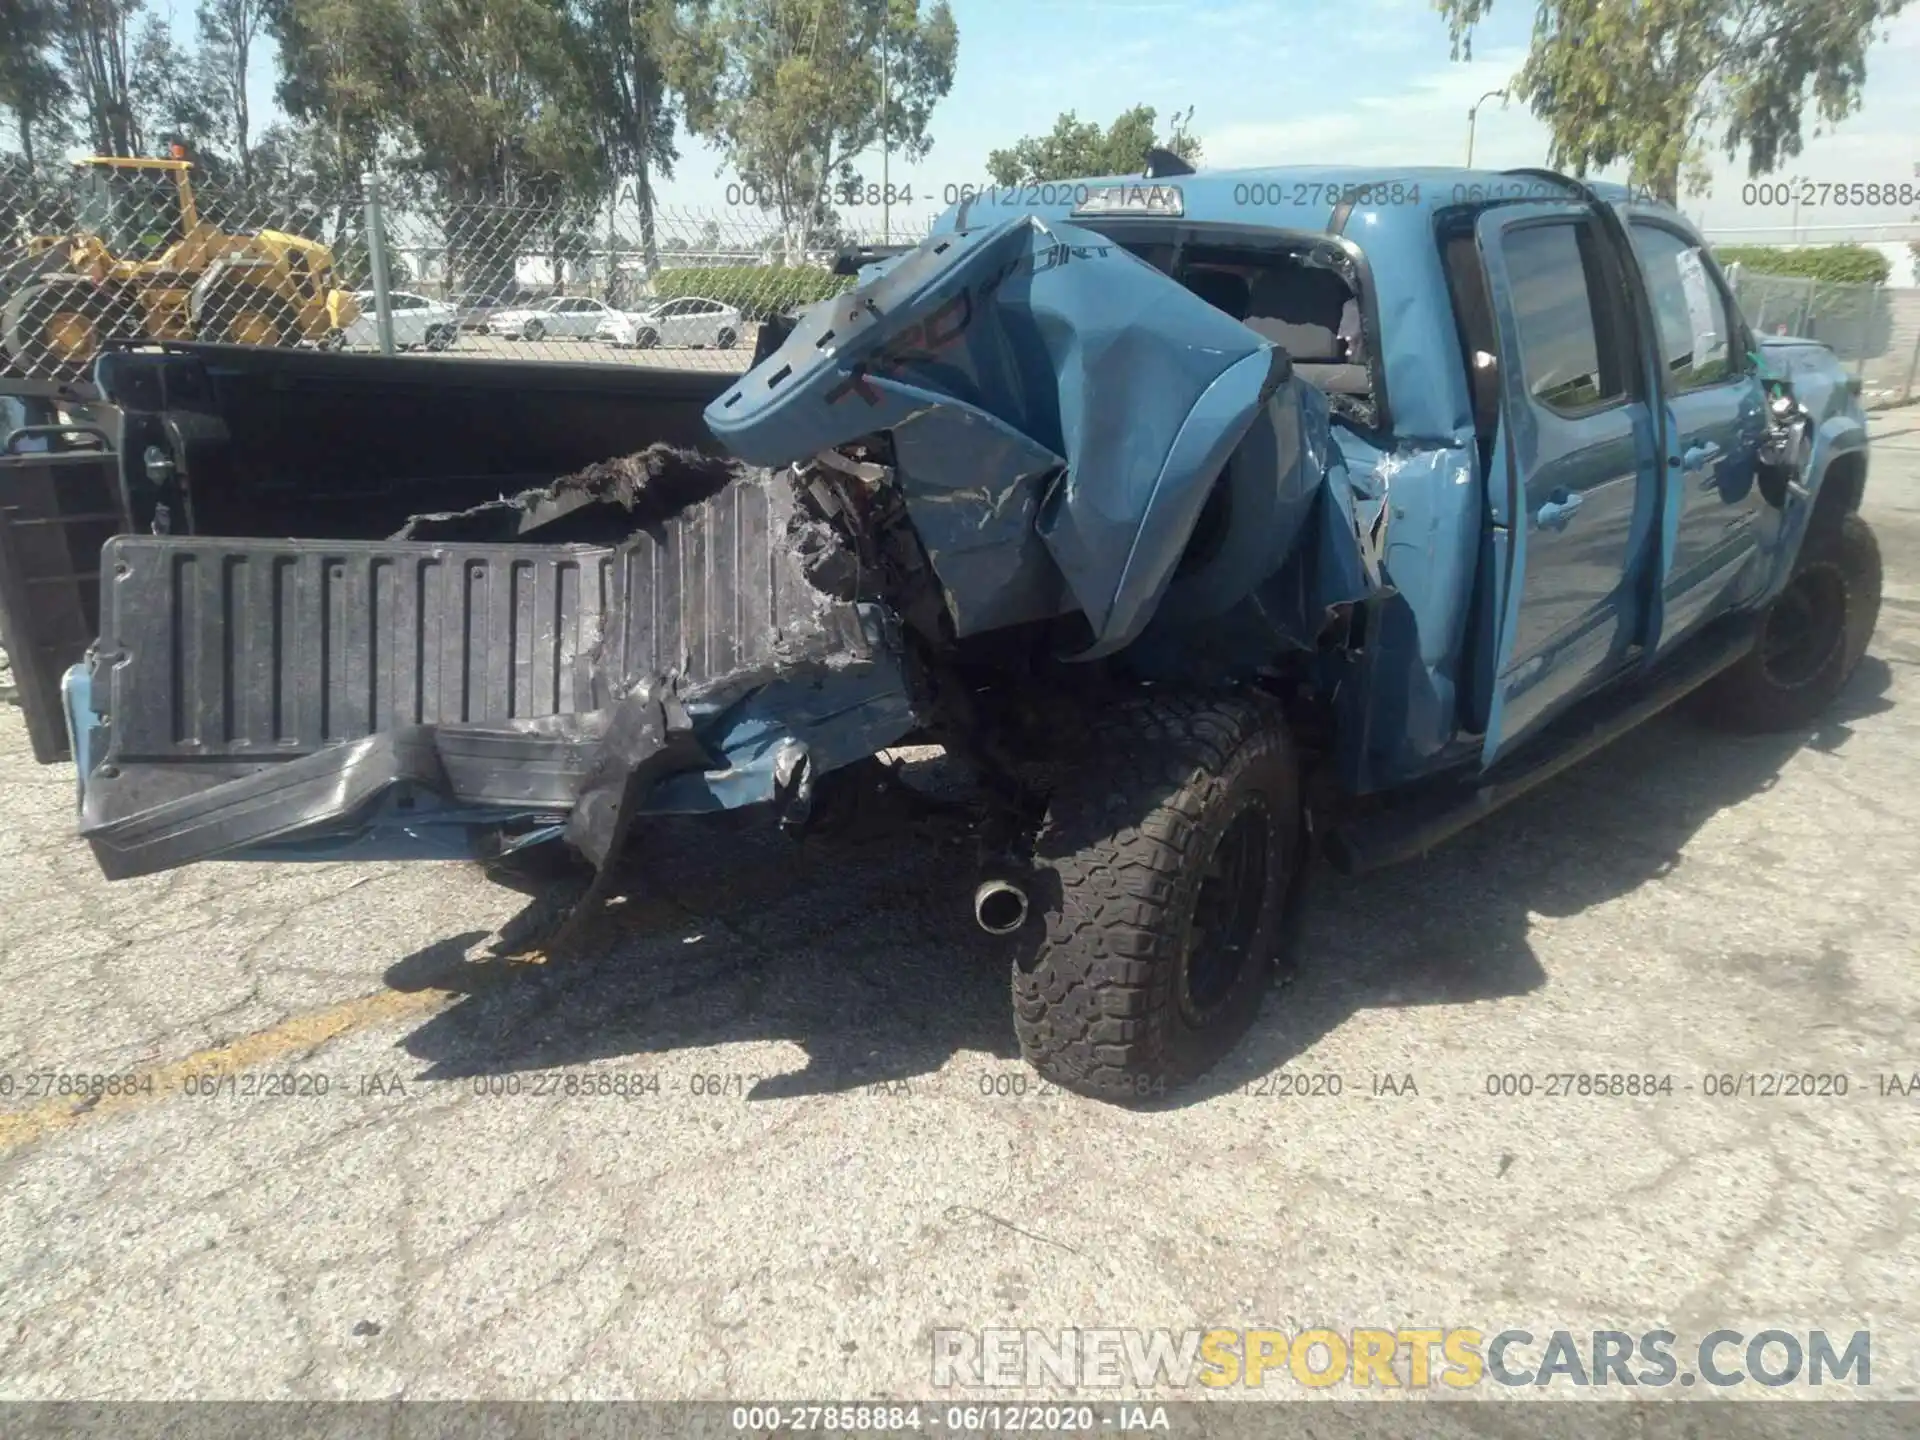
(1574, 486)
(1716, 416)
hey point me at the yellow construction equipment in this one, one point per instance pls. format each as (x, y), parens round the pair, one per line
(143, 264)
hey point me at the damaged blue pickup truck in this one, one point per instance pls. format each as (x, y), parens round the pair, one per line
(1209, 519)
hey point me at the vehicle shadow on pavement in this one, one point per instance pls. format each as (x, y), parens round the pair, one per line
(1452, 928)
(864, 955)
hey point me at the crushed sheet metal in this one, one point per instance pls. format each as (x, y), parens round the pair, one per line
(1090, 380)
(623, 494)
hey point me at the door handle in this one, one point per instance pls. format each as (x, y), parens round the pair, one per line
(1561, 507)
(1700, 461)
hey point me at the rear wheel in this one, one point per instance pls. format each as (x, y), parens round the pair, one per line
(1175, 845)
(54, 331)
(241, 315)
(1812, 636)
(727, 338)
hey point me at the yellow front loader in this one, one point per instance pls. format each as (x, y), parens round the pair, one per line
(141, 263)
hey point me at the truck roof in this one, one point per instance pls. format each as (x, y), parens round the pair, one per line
(1383, 215)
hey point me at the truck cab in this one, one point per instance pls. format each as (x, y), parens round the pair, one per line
(1546, 390)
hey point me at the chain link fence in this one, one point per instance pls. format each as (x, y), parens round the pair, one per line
(1873, 329)
(152, 249)
(149, 249)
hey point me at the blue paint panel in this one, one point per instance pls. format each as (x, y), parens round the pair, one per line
(1840, 428)
(1576, 481)
(839, 718)
(1103, 369)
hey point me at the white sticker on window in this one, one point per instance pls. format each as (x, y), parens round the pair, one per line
(1703, 309)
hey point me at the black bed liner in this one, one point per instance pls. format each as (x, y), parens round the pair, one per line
(264, 689)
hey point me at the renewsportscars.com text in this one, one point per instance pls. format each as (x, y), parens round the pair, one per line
(1402, 1357)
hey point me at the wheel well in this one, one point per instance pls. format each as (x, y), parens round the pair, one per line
(1841, 489)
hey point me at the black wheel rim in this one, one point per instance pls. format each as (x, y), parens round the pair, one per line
(1804, 628)
(1227, 912)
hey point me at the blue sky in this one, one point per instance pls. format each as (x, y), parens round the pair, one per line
(1301, 81)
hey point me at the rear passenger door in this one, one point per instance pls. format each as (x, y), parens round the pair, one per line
(1574, 485)
(1716, 418)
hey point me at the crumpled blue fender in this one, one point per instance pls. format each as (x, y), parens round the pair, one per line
(1126, 392)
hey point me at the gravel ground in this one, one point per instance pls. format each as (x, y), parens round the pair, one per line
(819, 1147)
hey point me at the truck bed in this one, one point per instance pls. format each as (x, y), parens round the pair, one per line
(321, 445)
(254, 691)
(299, 444)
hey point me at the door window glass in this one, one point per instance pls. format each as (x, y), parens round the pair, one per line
(1567, 358)
(1696, 327)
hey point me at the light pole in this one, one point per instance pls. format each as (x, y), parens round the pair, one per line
(886, 200)
(1473, 111)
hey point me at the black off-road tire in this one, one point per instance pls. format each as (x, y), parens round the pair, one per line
(1109, 1004)
(1837, 582)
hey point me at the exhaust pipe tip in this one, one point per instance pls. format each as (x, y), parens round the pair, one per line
(1000, 907)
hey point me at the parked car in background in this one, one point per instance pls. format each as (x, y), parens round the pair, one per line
(690, 320)
(473, 308)
(623, 328)
(563, 316)
(417, 322)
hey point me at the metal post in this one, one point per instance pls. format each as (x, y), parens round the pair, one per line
(1866, 330)
(1913, 368)
(886, 201)
(377, 262)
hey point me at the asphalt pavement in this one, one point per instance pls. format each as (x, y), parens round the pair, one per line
(770, 1136)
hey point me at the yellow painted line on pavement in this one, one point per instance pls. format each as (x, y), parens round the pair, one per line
(626, 917)
(289, 1037)
(292, 1036)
